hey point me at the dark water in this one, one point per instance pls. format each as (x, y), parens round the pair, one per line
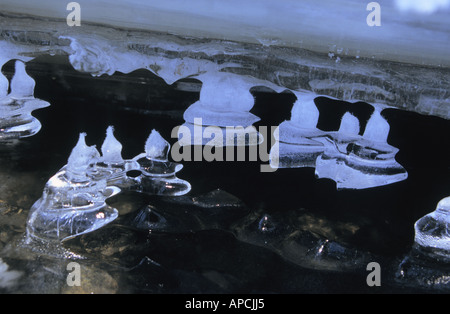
(317, 239)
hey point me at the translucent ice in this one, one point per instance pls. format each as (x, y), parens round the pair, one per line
(16, 120)
(81, 158)
(8, 278)
(158, 174)
(225, 101)
(300, 142)
(351, 160)
(4, 84)
(377, 128)
(22, 85)
(111, 148)
(432, 232)
(349, 125)
(72, 203)
(358, 162)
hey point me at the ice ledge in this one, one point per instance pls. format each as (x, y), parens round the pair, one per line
(102, 50)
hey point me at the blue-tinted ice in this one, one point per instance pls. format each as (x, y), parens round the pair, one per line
(74, 199)
(351, 160)
(222, 115)
(16, 120)
(432, 232)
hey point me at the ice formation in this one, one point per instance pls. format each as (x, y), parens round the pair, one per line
(351, 160)
(367, 161)
(300, 141)
(225, 102)
(16, 120)
(158, 174)
(432, 232)
(73, 201)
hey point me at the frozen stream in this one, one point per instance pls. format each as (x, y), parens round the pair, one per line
(239, 230)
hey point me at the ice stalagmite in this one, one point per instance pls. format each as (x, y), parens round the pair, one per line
(16, 120)
(80, 159)
(222, 115)
(158, 174)
(432, 232)
(359, 162)
(111, 148)
(427, 262)
(73, 202)
(300, 141)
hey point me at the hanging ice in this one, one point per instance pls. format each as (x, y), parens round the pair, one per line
(351, 160)
(16, 120)
(300, 142)
(362, 162)
(72, 203)
(158, 174)
(224, 105)
(432, 232)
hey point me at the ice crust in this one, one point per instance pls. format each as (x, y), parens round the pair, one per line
(74, 200)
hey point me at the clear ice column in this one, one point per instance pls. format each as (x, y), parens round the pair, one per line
(158, 174)
(221, 117)
(300, 142)
(16, 120)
